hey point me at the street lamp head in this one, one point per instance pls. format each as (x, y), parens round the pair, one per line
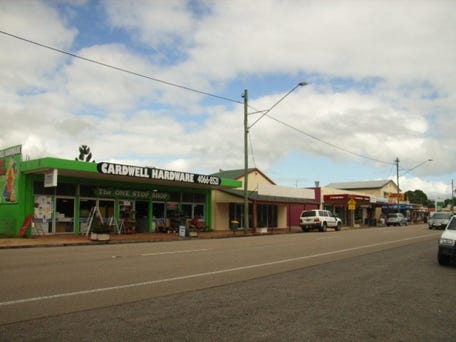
(302, 84)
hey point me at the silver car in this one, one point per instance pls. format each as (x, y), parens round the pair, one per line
(396, 219)
(439, 220)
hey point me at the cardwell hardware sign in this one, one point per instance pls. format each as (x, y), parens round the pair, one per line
(158, 174)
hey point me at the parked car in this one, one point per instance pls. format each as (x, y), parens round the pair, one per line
(447, 243)
(439, 220)
(319, 219)
(396, 219)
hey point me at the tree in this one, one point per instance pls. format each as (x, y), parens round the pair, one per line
(84, 154)
(417, 197)
(449, 202)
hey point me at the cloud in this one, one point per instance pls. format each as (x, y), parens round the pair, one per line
(381, 82)
(154, 23)
(344, 38)
(33, 20)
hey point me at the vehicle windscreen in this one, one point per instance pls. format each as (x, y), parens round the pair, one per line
(442, 216)
(308, 213)
(452, 224)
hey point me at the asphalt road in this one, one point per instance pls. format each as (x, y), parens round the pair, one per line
(379, 284)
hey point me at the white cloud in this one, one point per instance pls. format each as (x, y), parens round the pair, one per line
(34, 21)
(154, 23)
(381, 82)
(433, 190)
(344, 38)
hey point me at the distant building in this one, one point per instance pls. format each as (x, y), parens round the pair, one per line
(383, 198)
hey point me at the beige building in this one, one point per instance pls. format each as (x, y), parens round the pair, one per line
(380, 189)
(369, 198)
(270, 205)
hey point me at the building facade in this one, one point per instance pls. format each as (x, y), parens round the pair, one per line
(60, 195)
(385, 197)
(270, 205)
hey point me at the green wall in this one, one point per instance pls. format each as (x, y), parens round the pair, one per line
(12, 215)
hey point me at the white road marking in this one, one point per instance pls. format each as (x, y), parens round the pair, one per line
(176, 252)
(204, 274)
(329, 237)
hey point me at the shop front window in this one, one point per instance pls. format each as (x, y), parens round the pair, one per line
(142, 216)
(187, 210)
(64, 215)
(359, 215)
(159, 215)
(237, 213)
(266, 215)
(158, 210)
(128, 216)
(198, 211)
(106, 208)
(85, 206)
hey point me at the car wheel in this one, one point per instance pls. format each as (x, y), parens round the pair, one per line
(304, 229)
(444, 260)
(339, 226)
(323, 227)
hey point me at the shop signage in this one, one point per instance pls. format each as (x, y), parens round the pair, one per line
(346, 197)
(394, 196)
(11, 151)
(171, 205)
(133, 194)
(351, 204)
(157, 174)
(9, 173)
(50, 178)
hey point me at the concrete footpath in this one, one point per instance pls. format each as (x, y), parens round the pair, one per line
(78, 240)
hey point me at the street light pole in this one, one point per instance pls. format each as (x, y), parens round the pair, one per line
(246, 152)
(397, 181)
(246, 163)
(452, 196)
(397, 176)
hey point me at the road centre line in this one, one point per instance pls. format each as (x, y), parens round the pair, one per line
(204, 274)
(329, 237)
(176, 252)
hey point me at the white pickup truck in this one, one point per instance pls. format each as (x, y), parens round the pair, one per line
(447, 243)
(319, 219)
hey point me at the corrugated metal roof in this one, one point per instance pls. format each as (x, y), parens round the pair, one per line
(236, 174)
(376, 184)
(253, 195)
(233, 174)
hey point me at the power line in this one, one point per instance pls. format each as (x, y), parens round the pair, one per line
(251, 151)
(266, 113)
(327, 143)
(171, 84)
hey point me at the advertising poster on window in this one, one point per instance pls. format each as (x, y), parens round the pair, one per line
(9, 174)
(43, 208)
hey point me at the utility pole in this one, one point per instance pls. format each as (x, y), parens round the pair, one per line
(452, 196)
(246, 163)
(397, 181)
(246, 152)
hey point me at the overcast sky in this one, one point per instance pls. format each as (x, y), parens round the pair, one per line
(381, 76)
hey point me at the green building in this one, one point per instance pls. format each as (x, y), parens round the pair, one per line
(64, 196)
